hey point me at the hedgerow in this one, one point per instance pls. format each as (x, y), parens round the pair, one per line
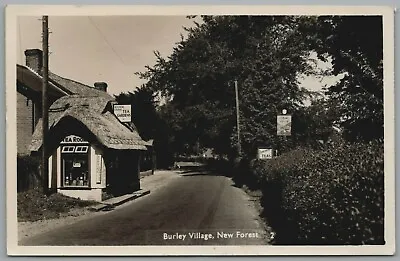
(330, 196)
(28, 175)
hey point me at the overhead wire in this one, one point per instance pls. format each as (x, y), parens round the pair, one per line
(105, 39)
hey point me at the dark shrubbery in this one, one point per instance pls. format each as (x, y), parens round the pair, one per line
(34, 205)
(28, 176)
(330, 196)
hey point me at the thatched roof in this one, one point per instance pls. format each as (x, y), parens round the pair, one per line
(149, 143)
(94, 112)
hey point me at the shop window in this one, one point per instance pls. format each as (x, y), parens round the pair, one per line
(68, 149)
(75, 166)
(81, 149)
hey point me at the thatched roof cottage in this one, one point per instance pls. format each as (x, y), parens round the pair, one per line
(90, 150)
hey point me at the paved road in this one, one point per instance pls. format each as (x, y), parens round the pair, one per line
(198, 208)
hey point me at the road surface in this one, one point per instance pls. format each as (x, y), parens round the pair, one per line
(197, 208)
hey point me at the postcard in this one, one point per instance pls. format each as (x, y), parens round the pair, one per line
(200, 130)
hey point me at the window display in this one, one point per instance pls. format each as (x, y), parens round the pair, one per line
(75, 166)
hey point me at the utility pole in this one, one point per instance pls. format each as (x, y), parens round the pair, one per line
(237, 119)
(45, 112)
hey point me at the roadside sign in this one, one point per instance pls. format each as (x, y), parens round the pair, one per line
(284, 125)
(123, 112)
(264, 153)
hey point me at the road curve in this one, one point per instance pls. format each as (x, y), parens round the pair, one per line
(198, 208)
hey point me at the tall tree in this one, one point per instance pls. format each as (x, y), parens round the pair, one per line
(265, 54)
(355, 44)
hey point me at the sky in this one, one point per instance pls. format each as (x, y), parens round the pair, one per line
(90, 49)
(102, 48)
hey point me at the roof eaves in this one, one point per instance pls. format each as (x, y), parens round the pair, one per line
(53, 84)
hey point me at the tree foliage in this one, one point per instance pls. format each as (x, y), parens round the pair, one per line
(265, 54)
(355, 44)
(149, 122)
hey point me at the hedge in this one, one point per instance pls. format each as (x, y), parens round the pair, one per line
(331, 196)
(28, 176)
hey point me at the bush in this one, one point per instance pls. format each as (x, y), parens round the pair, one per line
(28, 176)
(332, 196)
(34, 205)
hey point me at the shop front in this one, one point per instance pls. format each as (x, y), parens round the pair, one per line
(91, 153)
(77, 169)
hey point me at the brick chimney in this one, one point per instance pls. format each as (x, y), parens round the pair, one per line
(34, 59)
(101, 86)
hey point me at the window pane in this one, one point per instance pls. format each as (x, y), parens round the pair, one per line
(67, 149)
(81, 149)
(76, 171)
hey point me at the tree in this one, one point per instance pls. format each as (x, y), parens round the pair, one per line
(148, 122)
(355, 44)
(265, 54)
(144, 115)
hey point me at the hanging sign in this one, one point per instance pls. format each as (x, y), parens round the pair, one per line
(265, 153)
(73, 139)
(123, 112)
(284, 125)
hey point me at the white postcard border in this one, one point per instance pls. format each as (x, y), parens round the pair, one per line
(12, 11)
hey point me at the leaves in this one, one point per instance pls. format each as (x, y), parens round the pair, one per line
(355, 44)
(263, 53)
(331, 196)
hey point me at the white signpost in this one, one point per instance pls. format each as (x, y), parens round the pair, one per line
(284, 125)
(264, 153)
(123, 112)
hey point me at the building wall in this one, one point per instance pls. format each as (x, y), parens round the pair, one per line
(25, 123)
(84, 194)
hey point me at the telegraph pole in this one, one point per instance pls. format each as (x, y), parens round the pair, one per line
(237, 119)
(45, 113)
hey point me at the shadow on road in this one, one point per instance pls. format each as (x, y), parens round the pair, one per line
(200, 171)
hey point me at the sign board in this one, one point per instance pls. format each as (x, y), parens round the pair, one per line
(284, 125)
(265, 153)
(123, 112)
(76, 165)
(73, 139)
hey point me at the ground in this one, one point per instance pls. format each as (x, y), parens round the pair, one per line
(29, 229)
(181, 206)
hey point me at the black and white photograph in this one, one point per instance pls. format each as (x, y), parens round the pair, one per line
(184, 130)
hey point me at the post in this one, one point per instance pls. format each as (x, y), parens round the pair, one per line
(237, 119)
(45, 115)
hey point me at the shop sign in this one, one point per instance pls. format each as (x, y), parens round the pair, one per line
(123, 112)
(283, 125)
(73, 139)
(76, 165)
(265, 153)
